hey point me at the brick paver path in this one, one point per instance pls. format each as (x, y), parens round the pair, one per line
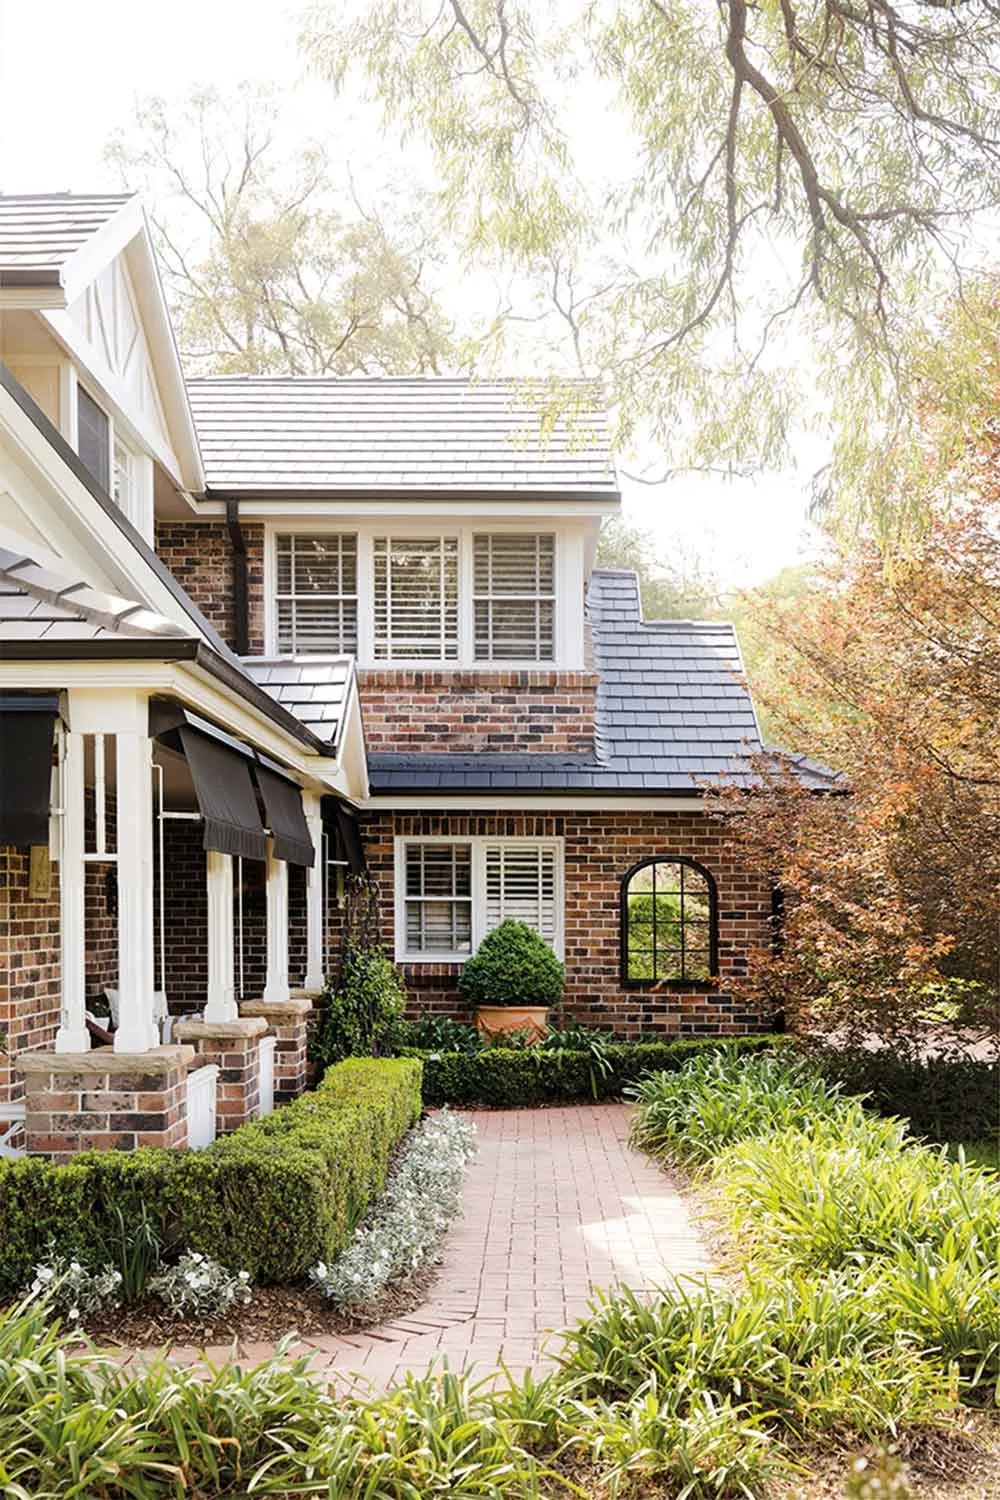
(556, 1205)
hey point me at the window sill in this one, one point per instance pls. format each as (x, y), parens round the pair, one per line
(673, 986)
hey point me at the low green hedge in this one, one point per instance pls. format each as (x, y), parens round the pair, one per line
(943, 1099)
(531, 1075)
(273, 1198)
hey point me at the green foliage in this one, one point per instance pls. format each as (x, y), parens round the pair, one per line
(672, 587)
(273, 1198)
(944, 1098)
(559, 1072)
(362, 1010)
(513, 965)
(438, 1034)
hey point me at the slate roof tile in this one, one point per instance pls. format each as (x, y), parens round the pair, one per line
(39, 232)
(427, 434)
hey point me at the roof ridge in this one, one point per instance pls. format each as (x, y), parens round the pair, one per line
(64, 194)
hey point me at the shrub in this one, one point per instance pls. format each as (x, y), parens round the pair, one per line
(513, 965)
(407, 1222)
(519, 1077)
(273, 1198)
(73, 1290)
(197, 1286)
(362, 1010)
(944, 1098)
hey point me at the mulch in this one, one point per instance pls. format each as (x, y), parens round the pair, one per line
(274, 1313)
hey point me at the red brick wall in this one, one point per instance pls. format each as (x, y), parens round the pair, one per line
(600, 848)
(436, 710)
(29, 966)
(199, 554)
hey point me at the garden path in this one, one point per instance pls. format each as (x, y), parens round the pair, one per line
(556, 1205)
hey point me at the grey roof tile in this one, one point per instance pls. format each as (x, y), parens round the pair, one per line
(39, 232)
(314, 689)
(421, 434)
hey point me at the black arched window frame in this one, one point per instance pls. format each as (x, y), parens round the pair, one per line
(713, 926)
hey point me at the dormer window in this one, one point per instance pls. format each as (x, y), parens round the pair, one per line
(515, 596)
(416, 598)
(93, 437)
(317, 594)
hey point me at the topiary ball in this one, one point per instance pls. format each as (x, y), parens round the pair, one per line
(513, 966)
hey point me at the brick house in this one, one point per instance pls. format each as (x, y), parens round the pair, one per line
(258, 634)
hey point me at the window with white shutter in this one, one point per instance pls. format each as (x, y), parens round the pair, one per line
(316, 594)
(415, 598)
(450, 894)
(521, 885)
(514, 596)
(438, 899)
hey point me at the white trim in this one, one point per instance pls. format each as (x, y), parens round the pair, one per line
(301, 509)
(459, 802)
(569, 583)
(478, 844)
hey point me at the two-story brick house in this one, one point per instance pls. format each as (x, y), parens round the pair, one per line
(257, 632)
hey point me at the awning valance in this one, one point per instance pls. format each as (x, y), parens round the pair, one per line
(342, 825)
(225, 794)
(27, 722)
(285, 817)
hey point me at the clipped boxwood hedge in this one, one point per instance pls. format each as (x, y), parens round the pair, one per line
(273, 1198)
(531, 1075)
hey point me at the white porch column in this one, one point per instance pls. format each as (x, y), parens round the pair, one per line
(315, 957)
(221, 1002)
(137, 1029)
(276, 985)
(72, 1035)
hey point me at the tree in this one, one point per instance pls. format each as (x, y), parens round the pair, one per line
(892, 885)
(266, 271)
(763, 226)
(673, 588)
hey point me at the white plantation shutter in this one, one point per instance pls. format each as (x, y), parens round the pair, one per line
(521, 881)
(514, 596)
(438, 898)
(416, 598)
(316, 594)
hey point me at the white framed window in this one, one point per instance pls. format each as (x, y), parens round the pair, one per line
(514, 596)
(422, 594)
(451, 892)
(415, 598)
(316, 594)
(123, 479)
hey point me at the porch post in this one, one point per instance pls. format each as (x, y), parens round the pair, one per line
(276, 986)
(315, 956)
(72, 1035)
(137, 1030)
(221, 1001)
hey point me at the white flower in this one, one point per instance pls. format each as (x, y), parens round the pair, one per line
(244, 1276)
(75, 1265)
(45, 1274)
(74, 1314)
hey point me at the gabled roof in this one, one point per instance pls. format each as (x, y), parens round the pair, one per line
(316, 689)
(427, 435)
(39, 601)
(673, 715)
(41, 232)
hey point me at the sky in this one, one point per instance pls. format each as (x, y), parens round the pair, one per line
(69, 76)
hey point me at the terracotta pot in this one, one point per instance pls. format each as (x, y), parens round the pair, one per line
(498, 1020)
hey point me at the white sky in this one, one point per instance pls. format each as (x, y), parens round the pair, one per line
(69, 75)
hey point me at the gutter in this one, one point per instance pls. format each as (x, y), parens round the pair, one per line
(241, 580)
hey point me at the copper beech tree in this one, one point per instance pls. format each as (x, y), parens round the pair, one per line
(890, 884)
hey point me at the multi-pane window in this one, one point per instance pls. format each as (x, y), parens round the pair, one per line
(416, 598)
(668, 922)
(514, 596)
(438, 900)
(452, 893)
(93, 437)
(316, 595)
(521, 884)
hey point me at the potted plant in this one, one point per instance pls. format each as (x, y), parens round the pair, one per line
(513, 981)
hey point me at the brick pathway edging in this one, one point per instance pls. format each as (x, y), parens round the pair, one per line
(556, 1206)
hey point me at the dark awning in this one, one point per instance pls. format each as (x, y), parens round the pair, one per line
(225, 793)
(342, 826)
(285, 817)
(27, 722)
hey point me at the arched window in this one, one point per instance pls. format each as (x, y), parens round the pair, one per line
(669, 923)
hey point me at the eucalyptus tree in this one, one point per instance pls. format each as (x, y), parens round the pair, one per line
(270, 263)
(750, 213)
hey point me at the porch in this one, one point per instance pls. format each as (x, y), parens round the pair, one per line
(166, 887)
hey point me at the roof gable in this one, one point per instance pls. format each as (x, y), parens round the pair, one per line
(40, 233)
(423, 435)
